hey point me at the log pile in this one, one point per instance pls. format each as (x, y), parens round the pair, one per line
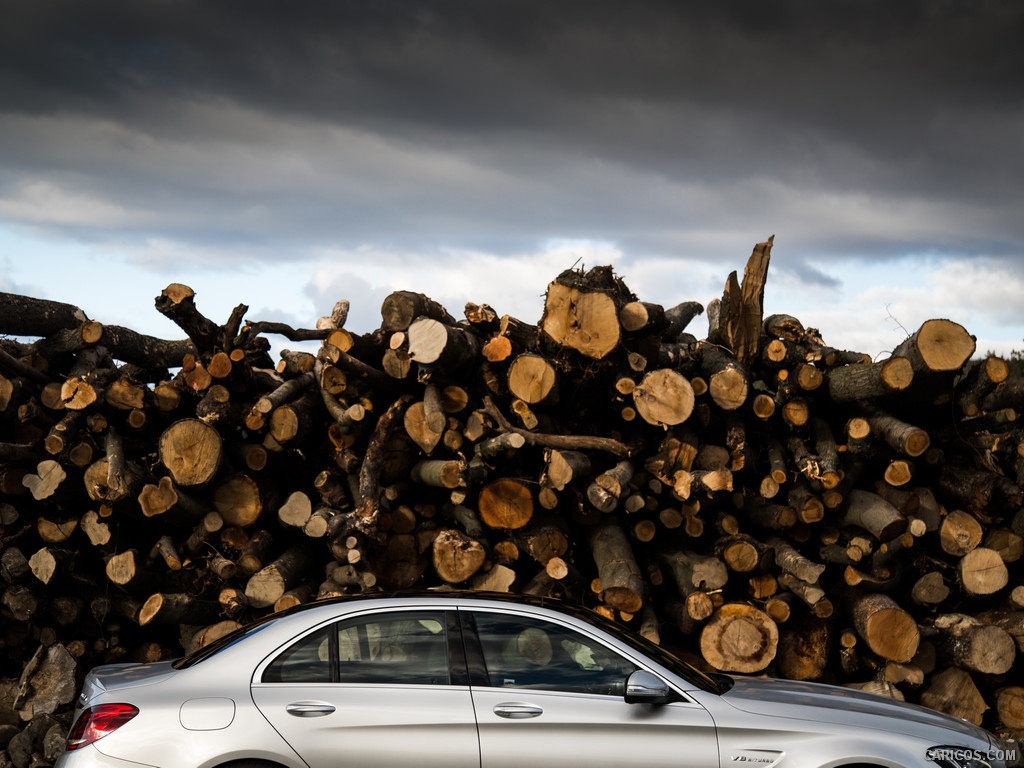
(752, 497)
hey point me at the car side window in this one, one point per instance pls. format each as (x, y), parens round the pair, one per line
(406, 648)
(403, 648)
(307, 661)
(521, 652)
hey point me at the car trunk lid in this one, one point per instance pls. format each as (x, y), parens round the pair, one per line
(110, 678)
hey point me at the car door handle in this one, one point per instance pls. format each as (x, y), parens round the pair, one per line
(517, 711)
(309, 709)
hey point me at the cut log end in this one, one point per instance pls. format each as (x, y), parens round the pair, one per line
(889, 630)
(506, 504)
(191, 451)
(982, 572)
(944, 345)
(664, 398)
(739, 638)
(585, 321)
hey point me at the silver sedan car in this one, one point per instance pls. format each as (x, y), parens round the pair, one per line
(460, 681)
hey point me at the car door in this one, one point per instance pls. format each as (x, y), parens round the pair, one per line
(381, 689)
(552, 695)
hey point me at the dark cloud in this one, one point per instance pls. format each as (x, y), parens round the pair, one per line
(811, 275)
(847, 127)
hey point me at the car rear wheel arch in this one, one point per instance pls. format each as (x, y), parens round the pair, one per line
(251, 763)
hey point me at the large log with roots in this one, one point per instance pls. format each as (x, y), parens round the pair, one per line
(750, 497)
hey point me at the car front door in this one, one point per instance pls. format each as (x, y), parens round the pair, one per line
(383, 689)
(554, 696)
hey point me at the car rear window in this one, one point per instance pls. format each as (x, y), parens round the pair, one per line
(224, 642)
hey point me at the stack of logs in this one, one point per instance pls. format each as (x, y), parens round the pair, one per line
(755, 499)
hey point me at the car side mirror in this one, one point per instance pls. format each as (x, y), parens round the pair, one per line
(643, 687)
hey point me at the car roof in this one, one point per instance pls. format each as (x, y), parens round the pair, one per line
(440, 595)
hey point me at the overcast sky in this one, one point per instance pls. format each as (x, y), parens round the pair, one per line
(287, 155)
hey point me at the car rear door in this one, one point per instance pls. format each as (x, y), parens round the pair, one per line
(547, 694)
(381, 689)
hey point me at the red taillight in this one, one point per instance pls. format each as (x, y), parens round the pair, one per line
(96, 722)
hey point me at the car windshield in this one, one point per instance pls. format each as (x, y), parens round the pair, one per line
(710, 683)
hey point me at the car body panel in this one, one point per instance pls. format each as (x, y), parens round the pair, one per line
(521, 724)
(112, 677)
(823, 703)
(156, 735)
(376, 725)
(590, 730)
(757, 715)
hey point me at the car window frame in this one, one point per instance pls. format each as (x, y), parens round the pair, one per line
(454, 648)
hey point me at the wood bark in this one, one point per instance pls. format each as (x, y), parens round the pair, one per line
(953, 691)
(268, 584)
(938, 346)
(177, 609)
(803, 649)
(871, 512)
(621, 582)
(743, 306)
(401, 308)
(869, 381)
(974, 645)
(177, 303)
